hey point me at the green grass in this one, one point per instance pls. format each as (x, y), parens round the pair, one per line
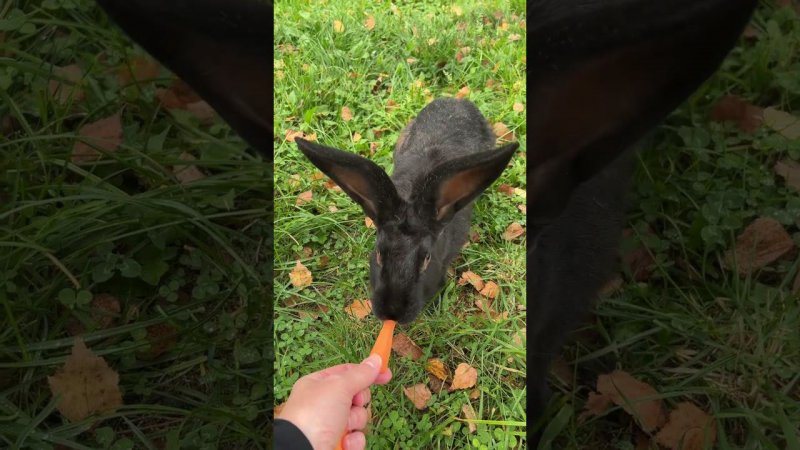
(317, 72)
(696, 331)
(193, 259)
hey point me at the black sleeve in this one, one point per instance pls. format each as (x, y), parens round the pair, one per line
(288, 437)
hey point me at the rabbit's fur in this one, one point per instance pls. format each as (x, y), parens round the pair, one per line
(442, 161)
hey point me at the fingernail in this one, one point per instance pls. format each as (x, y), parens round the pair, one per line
(373, 361)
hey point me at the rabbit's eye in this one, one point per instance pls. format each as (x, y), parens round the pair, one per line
(425, 262)
(378, 258)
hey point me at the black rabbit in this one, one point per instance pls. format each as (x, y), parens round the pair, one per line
(601, 74)
(442, 161)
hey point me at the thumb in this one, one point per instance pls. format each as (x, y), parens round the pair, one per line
(363, 375)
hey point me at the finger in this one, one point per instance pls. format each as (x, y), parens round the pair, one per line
(355, 441)
(361, 376)
(384, 377)
(357, 419)
(362, 398)
(333, 370)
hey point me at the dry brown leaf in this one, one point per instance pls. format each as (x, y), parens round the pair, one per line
(782, 122)
(356, 137)
(506, 189)
(612, 286)
(687, 429)
(369, 23)
(490, 290)
(635, 397)
(369, 223)
(304, 197)
(105, 310)
(359, 309)
(520, 337)
(373, 146)
(419, 394)
(177, 96)
(70, 89)
(291, 134)
(472, 278)
(469, 414)
(187, 173)
(465, 377)
(762, 242)
(347, 115)
(404, 346)
(514, 37)
(436, 367)
(86, 384)
(300, 276)
(317, 176)
(202, 111)
(502, 132)
(790, 171)
(596, 405)
(474, 394)
(338, 26)
(138, 69)
(436, 384)
(518, 107)
(457, 10)
(104, 134)
(411, 60)
(330, 184)
(162, 337)
(523, 209)
(391, 105)
(463, 92)
(513, 231)
(731, 108)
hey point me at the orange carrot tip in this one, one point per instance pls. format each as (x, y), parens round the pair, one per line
(383, 345)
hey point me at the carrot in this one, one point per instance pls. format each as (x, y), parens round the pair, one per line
(382, 347)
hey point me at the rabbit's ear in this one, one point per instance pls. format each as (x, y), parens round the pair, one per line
(603, 73)
(219, 47)
(363, 180)
(454, 184)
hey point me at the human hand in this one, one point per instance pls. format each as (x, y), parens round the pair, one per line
(325, 403)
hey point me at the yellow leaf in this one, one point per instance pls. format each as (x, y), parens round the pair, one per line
(300, 276)
(356, 137)
(519, 107)
(370, 23)
(436, 367)
(338, 26)
(457, 10)
(86, 384)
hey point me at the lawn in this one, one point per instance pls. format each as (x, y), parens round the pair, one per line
(351, 75)
(683, 317)
(162, 265)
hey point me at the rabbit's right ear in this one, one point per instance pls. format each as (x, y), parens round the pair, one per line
(363, 180)
(218, 47)
(603, 73)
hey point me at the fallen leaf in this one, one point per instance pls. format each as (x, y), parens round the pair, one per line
(457, 10)
(356, 137)
(138, 69)
(521, 192)
(790, 171)
(411, 60)
(369, 23)
(514, 37)
(561, 370)
(463, 92)
(490, 290)
(317, 176)
(369, 223)
(304, 197)
(69, 89)
(177, 96)
(419, 394)
(472, 278)
(347, 115)
(104, 134)
(404, 346)
(612, 286)
(391, 105)
(640, 262)
(324, 260)
(596, 405)
(490, 84)
(469, 414)
(731, 108)
(465, 377)
(506, 189)
(762, 242)
(518, 107)
(300, 276)
(105, 310)
(474, 394)
(161, 337)
(513, 231)
(311, 137)
(187, 173)
(291, 134)
(782, 122)
(520, 337)
(502, 132)
(86, 384)
(436, 384)
(202, 111)
(634, 396)
(687, 429)
(330, 184)
(523, 209)
(359, 309)
(338, 26)
(373, 146)
(436, 367)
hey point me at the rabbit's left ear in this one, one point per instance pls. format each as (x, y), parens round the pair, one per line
(220, 48)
